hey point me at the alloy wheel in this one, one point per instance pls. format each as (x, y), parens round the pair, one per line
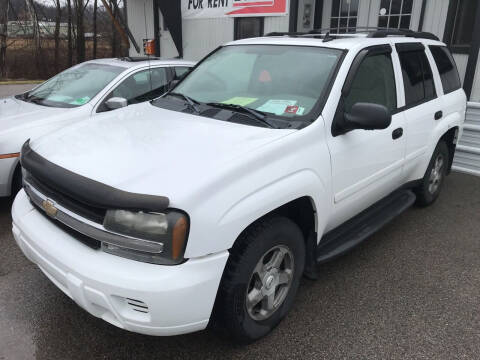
(436, 174)
(270, 282)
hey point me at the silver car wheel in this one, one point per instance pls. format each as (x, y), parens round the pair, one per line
(270, 282)
(436, 175)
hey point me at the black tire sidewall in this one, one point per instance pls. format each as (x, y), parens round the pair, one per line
(16, 182)
(278, 231)
(426, 198)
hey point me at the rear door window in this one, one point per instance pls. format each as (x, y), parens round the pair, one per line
(447, 68)
(417, 74)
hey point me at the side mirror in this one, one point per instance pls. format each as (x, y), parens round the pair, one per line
(116, 103)
(368, 116)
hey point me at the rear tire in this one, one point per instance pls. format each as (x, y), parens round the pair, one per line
(429, 189)
(260, 280)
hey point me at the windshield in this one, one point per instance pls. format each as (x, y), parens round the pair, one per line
(74, 87)
(283, 82)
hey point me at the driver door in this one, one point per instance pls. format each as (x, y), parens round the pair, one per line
(367, 164)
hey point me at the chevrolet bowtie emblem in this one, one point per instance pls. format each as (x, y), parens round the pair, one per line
(49, 208)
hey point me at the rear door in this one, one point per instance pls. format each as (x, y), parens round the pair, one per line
(423, 107)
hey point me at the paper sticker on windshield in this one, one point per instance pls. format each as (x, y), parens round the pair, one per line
(81, 101)
(276, 107)
(239, 100)
(300, 111)
(291, 109)
(59, 98)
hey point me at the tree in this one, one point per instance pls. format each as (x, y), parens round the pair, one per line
(36, 34)
(69, 35)
(95, 9)
(80, 6)
(58, 17)
(4, 8)
(114, 32)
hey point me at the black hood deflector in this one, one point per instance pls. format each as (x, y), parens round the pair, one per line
(85, 190)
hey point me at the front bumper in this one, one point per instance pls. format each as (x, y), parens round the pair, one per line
(7, 167)
(139, 297)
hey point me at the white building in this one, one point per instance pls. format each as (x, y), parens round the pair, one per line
(193, 28)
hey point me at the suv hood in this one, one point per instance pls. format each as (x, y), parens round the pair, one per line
(15, 113)
(148, 150)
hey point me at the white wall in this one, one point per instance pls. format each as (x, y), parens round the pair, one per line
(476, 84)
(136, 11)
(461, 61)
(435, 17)
(276, 23)
(201, 36)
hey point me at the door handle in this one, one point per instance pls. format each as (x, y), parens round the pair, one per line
(397, 133)
(438, 115)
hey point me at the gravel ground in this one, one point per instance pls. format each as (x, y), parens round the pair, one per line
(410, 292)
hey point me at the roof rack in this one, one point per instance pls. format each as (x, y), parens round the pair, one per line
(329, 34)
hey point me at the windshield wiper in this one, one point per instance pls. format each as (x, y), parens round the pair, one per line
(35, 100)
(191, 102)
(256, 115)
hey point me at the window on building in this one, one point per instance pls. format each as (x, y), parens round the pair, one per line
(417, 77)
(395, 14)
(248, 27)
(459, 26)
(447, 68)
(344, 16)
(374, 82)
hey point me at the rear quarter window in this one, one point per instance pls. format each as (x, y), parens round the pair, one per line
(447, 68)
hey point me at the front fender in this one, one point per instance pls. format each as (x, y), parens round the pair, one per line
(222, 233)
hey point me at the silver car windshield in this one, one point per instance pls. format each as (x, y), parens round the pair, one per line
(74, 87)
(276, 80)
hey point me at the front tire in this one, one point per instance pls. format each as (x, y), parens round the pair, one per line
(260, 280)
(429, 189)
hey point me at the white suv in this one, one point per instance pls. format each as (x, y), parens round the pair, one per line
(207, 205)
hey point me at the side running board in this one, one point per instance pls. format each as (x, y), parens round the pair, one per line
(348, 235)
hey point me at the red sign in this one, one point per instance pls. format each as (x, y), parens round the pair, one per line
(255, 7)
(223, 8)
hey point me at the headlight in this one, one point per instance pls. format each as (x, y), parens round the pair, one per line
(163, 234)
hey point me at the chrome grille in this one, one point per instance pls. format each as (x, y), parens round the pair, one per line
(87, 227)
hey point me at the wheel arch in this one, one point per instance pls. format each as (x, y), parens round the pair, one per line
(302, 211)
(16, 169)
(450, 137)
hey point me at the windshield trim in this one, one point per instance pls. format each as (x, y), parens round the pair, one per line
(317, 109)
